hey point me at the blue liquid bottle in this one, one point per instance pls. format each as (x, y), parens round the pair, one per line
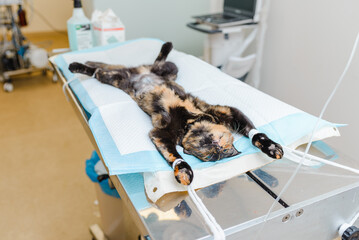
(79, 29)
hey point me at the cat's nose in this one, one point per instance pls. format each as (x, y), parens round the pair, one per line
(215, 142)
(218, 146)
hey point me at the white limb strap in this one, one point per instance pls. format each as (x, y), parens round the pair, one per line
(310, 157)
(74, 77)
(66, 84)
(211, 222)
(176, 162)
(252, 133)
(296, 156)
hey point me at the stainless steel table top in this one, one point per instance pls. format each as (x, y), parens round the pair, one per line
(238, 201)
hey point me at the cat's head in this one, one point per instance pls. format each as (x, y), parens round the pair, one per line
(209, 141)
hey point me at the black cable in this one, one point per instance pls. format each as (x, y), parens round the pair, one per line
(270, 192)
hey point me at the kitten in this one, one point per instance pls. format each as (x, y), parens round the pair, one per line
(179, 118)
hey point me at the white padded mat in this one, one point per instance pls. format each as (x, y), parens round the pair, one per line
(121, 128)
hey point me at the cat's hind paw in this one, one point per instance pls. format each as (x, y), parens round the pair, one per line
(183, 173)
(274, 151)
(267, 146)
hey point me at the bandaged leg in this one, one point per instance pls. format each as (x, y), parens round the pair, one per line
(266, 145)
(166, 145)
(240, 123)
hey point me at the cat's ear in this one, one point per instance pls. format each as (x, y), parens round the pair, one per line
(186, 152)
(235, 152)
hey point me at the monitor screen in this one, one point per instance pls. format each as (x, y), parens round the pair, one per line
(240, 6)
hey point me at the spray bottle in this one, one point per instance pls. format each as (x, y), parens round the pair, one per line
(79, 29)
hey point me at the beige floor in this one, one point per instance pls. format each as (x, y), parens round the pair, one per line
(44, 191)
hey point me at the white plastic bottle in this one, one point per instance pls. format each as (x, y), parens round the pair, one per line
(79, 29)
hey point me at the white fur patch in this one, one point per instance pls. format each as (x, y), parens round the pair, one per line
(271, 147)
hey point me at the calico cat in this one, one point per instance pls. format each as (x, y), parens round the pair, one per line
(179, 118)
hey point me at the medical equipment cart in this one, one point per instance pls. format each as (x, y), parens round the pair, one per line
(15, 55)
(319, 201)
(236, 49)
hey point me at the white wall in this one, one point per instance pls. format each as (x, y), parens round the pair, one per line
(164, 19)
(307, 45)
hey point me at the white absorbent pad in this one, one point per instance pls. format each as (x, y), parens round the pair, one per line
(121, 128)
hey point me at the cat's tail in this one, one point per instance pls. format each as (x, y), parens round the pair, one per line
(161, 67)
(76, 67)
(165, 50)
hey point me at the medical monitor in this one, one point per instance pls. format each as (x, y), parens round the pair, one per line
(245, 7)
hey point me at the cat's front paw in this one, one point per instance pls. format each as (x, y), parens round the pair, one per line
(183, 173)
(76, 67)
(267, 146)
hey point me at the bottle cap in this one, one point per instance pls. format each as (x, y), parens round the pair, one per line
(77, 4)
